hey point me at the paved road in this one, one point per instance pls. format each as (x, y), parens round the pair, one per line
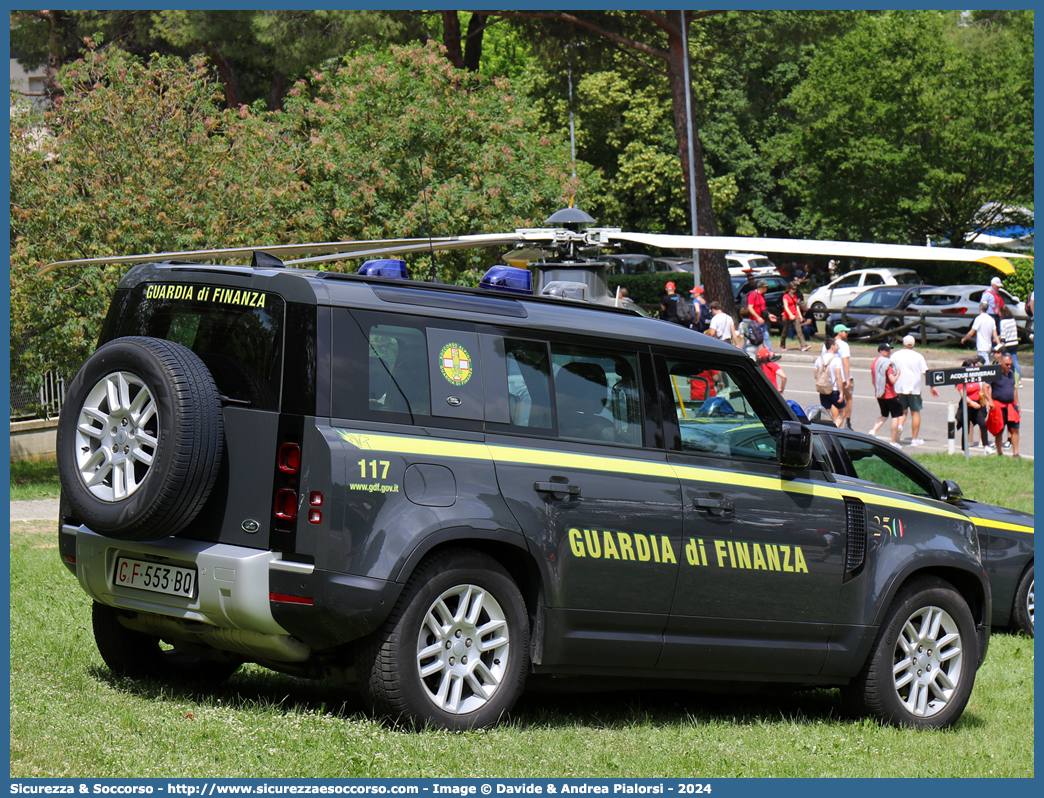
(801, 388)
(40, 510)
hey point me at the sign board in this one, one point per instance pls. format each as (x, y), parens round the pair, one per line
(937, 377)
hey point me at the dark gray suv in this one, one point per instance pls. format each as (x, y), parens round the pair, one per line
(441, 492)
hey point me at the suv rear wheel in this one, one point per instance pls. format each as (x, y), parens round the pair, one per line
(455, 649)
(1023, 612)
(140, 439)
(921, 668)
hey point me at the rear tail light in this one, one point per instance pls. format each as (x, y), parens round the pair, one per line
(286, 504)
(283, 598)
(955, 311)
(289, 458)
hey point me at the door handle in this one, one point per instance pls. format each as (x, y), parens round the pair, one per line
(714, 502)
(556, 487)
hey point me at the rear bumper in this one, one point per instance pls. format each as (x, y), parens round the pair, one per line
(252, 596)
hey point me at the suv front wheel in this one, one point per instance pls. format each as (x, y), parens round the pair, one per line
(455, 649)
(921, 668)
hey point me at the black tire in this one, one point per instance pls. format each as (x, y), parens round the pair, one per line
(819, 311)
(1022, 612)
(137, 655)
(167, 433)
(388, 663)
(922, 613)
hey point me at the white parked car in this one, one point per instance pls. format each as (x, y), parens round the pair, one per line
(960, 303)
(740, 263)
(839, 292)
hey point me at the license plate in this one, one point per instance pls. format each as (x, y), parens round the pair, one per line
(168, 579)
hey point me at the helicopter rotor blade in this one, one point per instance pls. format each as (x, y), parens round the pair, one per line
(277, 250)
(842, 249)
(414, 245)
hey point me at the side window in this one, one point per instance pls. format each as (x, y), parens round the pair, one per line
(876, 463)
(398, 370)
(596, 395)
(851, 281)
(721, 411)
(404, 369)
(528, 384)
(873, 279)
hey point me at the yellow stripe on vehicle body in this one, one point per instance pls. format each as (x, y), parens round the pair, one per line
(551, 458)
(983, 522)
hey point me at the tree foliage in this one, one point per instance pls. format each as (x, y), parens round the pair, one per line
(910, 124)
(142, 157)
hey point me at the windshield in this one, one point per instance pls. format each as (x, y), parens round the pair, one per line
(936, 300)
(880, 298)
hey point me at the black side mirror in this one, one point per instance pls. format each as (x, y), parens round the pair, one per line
(795, 445)
(951, 492)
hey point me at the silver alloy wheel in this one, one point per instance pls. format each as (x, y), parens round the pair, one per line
(116, 436)
(462, 649)
(927, 661)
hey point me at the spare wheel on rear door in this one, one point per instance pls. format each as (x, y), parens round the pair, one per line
(140, 438)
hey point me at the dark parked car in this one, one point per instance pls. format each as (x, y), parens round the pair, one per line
(638, 264)
(1005, 536)
(863, 314)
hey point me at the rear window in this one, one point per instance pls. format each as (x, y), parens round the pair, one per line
(238, 334)
(937, 300)
(907, 278)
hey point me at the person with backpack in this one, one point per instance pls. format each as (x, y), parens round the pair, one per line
(994, 300)
(829, 381)
(721, 325)
(750, 335)
(669, 304)
(685, 311)
(701, 310)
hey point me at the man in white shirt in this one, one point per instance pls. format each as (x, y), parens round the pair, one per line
(912, 368)
(722, 326)
(984, 328)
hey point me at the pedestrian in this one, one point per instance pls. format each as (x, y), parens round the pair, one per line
(1004, 395)
(985, 331)
(792, 318)
(669, 304)
(912, 368)
(1008, 340)
(994, 300)
(978, 408)
(883, 375)
(701, 311)
(828, 374)
(749, 336)
(722, 326)
(771, 369)
(759, 311)
(844, 352)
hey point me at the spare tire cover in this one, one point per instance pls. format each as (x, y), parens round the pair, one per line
(140, 439)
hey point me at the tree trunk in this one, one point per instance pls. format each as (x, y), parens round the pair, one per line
(713, 271)
(451, 38)
(473, 47)
(228, 78)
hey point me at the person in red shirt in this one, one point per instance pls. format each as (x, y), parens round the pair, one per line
(978, 409)
(701, 386)
(792, 317)
(759, 312)
(771, 369)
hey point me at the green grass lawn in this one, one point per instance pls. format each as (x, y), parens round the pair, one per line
(71, 718)
(34, 479)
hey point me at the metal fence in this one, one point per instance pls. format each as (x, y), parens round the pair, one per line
(43, 402)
